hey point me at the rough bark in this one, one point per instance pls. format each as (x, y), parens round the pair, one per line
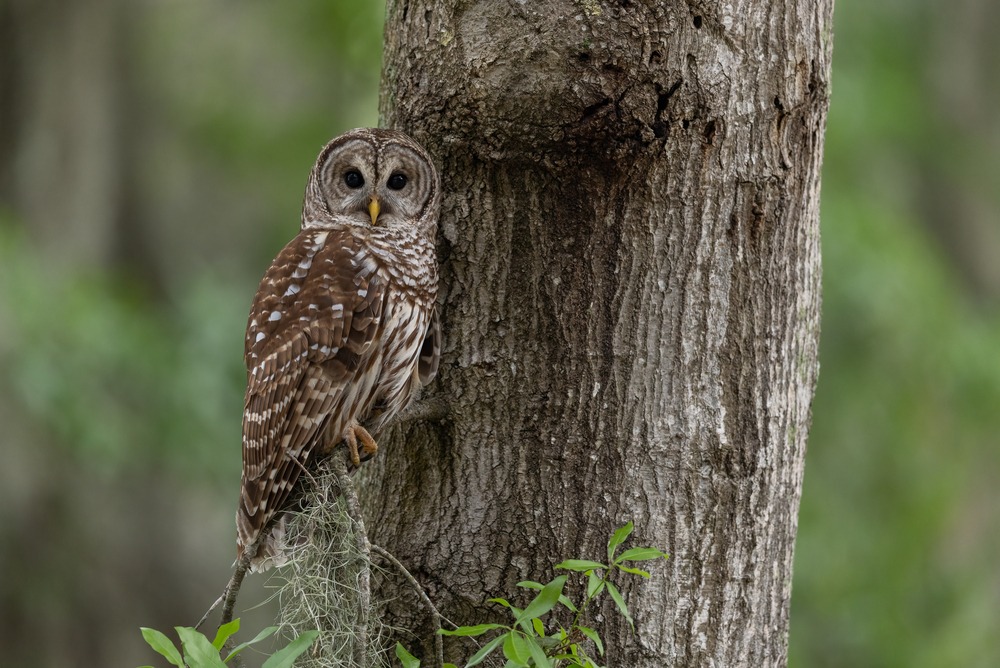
(631, 273)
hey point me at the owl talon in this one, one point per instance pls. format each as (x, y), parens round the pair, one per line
(369, 447)
(352, 446)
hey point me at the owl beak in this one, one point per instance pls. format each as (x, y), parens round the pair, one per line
(373, 209)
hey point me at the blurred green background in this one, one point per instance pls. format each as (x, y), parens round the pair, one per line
(152, 159)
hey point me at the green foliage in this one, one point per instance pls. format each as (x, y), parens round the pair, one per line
(536, 638)
(107, 369)
(198, 652)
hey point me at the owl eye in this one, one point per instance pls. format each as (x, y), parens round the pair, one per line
(397, 181)
(353, 179)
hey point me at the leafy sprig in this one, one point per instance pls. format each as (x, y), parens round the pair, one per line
(197, 652)
(531, 641)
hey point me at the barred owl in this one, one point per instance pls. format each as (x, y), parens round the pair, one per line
(343, 328)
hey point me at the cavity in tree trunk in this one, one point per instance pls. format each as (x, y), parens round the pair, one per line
(631, 276)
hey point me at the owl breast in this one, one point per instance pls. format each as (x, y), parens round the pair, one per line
(405, 326)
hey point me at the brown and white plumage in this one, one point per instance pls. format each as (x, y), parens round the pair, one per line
(343, 328)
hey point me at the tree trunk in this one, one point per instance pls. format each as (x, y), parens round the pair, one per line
(631, 278)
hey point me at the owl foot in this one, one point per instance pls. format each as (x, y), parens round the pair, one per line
(369, 447)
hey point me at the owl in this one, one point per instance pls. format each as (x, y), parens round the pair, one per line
(343, 329)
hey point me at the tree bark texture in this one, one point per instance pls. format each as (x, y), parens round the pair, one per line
(631, 273)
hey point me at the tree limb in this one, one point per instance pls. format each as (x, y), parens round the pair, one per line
(435, 613)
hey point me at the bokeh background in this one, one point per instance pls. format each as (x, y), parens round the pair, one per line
(152, 159)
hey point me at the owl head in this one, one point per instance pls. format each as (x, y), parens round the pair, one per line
(373, 178)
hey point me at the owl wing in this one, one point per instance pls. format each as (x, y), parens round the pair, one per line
(430, 350)
(312, 328)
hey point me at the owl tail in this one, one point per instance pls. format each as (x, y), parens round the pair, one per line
(273, 549)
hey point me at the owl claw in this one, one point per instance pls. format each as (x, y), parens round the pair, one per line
(369, 447)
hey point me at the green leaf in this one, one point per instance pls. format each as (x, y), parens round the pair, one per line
(163, 646)
(485, 651)
(407, 659)
(640, 554)
(567, 603)
(582, 656)
(269, 631)
(595, 584)
(620, 602)
(580, 565)
(528, 584)
(594, 638)
(514, 610)
(448, 665)
(224, 632)
(285, 657)
(537, 653)
(539, 628)
(633, 571)
(516, 649)
(546, 599)
(618, 538)
(477, 630)
(198, 651)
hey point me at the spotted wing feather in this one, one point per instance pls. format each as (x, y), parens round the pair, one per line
(313, 323)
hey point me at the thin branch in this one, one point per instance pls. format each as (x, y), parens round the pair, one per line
(215, 605)
(435, 613)
(232, 590)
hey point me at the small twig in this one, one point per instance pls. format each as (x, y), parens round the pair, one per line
(232, 590)
(364, 584)
(215, 605)
(435, 613)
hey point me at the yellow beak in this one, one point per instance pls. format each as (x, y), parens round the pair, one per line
(373, 209)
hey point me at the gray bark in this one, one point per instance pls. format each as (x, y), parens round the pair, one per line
(631, 272)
